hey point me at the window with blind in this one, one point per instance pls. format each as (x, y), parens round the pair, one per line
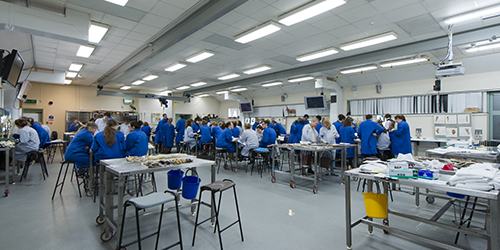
(423, 104)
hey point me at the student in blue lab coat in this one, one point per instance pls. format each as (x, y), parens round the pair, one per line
(78, 149)
(235, 130)
(256, 123)
(401, 139)
(216, 130)
(108, 144)
(225, 139)
(368, 132)
(347, 135)
(296, 130)
(338, 125)
(158, 133)
(180, 126)
(391, 137)
(196, 125)
(168, 133)
(146, 129)
(205, 132)
(280, 130)
(268, 138)
(43, 136)
(136, 143)
(306, 119)
(318, 127)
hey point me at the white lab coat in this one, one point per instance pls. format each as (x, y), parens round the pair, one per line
(189, 137)
(100, 125)
(28, 141)
(328, 135)
(251, 140)
(309, 134)
(124, 129)
(240, 129)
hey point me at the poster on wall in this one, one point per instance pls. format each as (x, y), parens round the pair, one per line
(465, 131)
(463, 119)
(451, 119)
(252, 120)
(451, 132)
(439, 119)
(247, 120)
(440, 131)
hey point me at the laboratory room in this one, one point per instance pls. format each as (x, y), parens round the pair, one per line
(328, 124)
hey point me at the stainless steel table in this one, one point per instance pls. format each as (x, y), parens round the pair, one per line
(115, 170)
(488, 156)
(491, 234)
(7, 166)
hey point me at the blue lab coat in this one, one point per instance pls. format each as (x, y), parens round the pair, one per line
(102, 151)
(394, 148)
(206, 137)
(168, 134)
(216, 131)
(72, 127)
(337, 125)
(136, 143)
(254, 126)
(158, 132)
(76, 149)
(268, 137)
(146, 130)
(236, 132)
(296, 132)
(401, 139)
(368, 140)
(225, 140)
(271, 125)
(318, 127)
(43, 136)
(180, 127)
(347, 136)
(280, 130)
(195, 127)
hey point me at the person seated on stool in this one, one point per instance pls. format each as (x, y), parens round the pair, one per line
(136, 143)
(235, 130)
(43, 136)
(268, 138)
(368, 132)
(347, 135)
(225, 139)
(205, 133)
(250, 140)
(383, 144)
(28, 140)
(108, 144)
(78, 149)
(216, 130)
(189, 135)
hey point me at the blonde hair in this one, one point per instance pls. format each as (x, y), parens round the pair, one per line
(326, 123)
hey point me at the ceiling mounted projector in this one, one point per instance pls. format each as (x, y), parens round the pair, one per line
(450, 69)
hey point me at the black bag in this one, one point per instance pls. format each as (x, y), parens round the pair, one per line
(53, 135)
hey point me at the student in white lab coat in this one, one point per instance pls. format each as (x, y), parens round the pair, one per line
(28, 140)
(124, 127)
(250, 140)
(189, 135)
(328, 134)
(101, 122)
(309, 133)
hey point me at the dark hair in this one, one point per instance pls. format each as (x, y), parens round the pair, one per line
(382, 125)
(402, 117)
(109, 132)
(189, 122)
(347, 122)
(387, 115)
(228, 124)
(164, 115)
(136, 125)
(319, 117)
(238, 123)
(259, 127)
(21, 122)
(341, 117)
(267, 122)
(145, 124)
(92, 120)
(107, 114)
(204, 122)
(222, 125)
(181, 116)
(368, 117)
(306, 115)
(30, 120)
(197, 119)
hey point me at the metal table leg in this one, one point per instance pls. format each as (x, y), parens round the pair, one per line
(343, 158)
(315, 187)
(7, 171)
(494, 223)
(348, 227)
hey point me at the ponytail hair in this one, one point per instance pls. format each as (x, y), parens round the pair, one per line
(109, 132)
(87, 126)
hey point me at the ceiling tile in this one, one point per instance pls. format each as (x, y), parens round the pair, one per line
(372, 23)
(231, 18)
(329, 23)
(214, 26)
(419, 25)
(118, 22)
(406, 12)
(155, 21)
(184, 4)
(144, 5)
(146, 29)
(112, 38)
(117, 31)
(251, 7)
(267, 14)
(358, 13)
(285, 38)
(288, 5)
(306, 31)
(388, 5)
(246, 23)
(131, 42)
(137, 36)
(167, 11)
(94, 14)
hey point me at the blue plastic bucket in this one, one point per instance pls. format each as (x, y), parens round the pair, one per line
(190, 185)
(174, 178)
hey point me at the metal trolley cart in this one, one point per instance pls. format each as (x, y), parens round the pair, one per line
(316, 150)
(491, 232)
(115, 170)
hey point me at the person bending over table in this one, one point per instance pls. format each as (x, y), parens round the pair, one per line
(347, 136)
(78, 149)
(225, 139)
(28, 140)
(250, 140)
(43, 136)
(309, 133)
(136, 143)
(368, 132)
(108, 144)
(400, 137)
(189, 135)
(296, 130)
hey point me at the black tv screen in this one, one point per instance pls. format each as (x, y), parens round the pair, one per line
(12, 66)
(315, 102)
(246, 107)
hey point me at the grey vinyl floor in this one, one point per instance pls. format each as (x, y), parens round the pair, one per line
(274, 216)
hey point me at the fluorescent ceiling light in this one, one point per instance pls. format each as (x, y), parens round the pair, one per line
(149, 77)
(97, 32)
(490, 11)
(228, 76)
(300, 79)
(202, 55)
(75, 67)
(486, 47)
(197, 84)
(125, 87)
(404, 62)
(317, 54)
(118, 2)
(175, 66)
(256, 69)
(221, 92)
(238, 90)
(271, 84)
(369, 41)
(183, 87)
(138, 82)
(204, 95)
(359, 69)
(67, 81)
(70, 74)
(165, 92)
(309, 10)
(85, 51)
(258, 32)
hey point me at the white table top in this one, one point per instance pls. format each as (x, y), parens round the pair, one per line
(428, 140)
(123, 167)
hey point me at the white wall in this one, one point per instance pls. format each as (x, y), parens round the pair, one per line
(225, 105)
(197, 107)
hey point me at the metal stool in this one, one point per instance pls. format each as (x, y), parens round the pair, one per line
(144, 202)
(221, 154)
(78, 182)
(36, 156)
(214, 187)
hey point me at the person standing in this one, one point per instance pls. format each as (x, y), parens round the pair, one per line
(328, 134)
(309, 133)
(168, 135)
(383, 144)
(280, 130)
(318, 127)
(296, 130)
(146, 129)
(347, 135)
(368, 132)
(124, 127)
(180, 127)
(338, 125)
(101, 122)
(401, 138)
(388, 121)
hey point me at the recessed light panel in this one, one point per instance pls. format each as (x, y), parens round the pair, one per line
(309, 10)
(258, 32)
(75, 66)
(138, 82)
(118, 2)
(271, 84)
(97, 32)
(228, 76)
(125, 87)
(257, 69)
(70, 74)
(85, 51)
(300, 79)
(369, 41)
(149, 77)
(358, 69)
(197, 84)
(175, 66)
(202, 55)
(317, 54)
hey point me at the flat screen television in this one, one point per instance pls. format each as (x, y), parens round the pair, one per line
(246, 107)
(12, 66)
(315, 102)
(24, 91)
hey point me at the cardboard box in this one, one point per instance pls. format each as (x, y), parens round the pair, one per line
(472, 110)
(428, 174)
(404, 173)
(400, 165)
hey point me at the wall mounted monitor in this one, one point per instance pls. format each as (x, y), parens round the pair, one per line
(246, 107)
(128, 101)
(12, 66)
(315, 102)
